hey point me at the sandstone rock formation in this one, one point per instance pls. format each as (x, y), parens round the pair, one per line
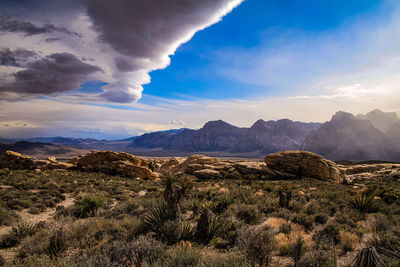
(16, 161)
(303, 164)
(115, 163)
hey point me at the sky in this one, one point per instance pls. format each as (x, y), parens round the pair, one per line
(88, 68)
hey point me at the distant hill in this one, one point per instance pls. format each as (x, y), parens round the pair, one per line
(346, 137)
(382, 121)
(42, 150)
(263, 137)
(272, 136)
(371, 136)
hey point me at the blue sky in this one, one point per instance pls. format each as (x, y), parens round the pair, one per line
(235, 60)
(254, 23)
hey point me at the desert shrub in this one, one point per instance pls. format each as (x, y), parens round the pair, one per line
(2, 261)
(57, 243)
(194, 205)
(267, 205)
(321, 218)
(304, 220)
(363, 203)
(142, 251)
(208, 227)
(17, 233)
(315, 258)
(346, 218)
(187, 230)
(41, 261)
(175, 189)
(155, 218)
(286, 228)
(328, 236)
(181, 256)
(313, 208)
(228, 259)
(368, 257)
(258, 245)
(4, 172)
(348, 241)
(382, 222)
(88, 206)
(248, 213)
(125, 208)
(5, 218)
(296, 250)
(222, 203)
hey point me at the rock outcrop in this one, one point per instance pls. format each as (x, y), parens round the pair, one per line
(303, 164)
(115, 163)
(287, 164)
(16, 161)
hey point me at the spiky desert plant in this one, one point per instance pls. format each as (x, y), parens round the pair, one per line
(155, 218)
(297, 250)
(284, 198)
(175, 189)
(208, 227)
(57, 243)
(222, 203)
(363, 203)
(24, 229)
(368, 257)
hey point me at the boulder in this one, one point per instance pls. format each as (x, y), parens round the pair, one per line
(96, 157)
(115, 163)
(299, 164)
(252, 168)
(169, 164)
(16, 161)
(207, 174)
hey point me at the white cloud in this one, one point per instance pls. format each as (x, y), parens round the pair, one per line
(126, 39)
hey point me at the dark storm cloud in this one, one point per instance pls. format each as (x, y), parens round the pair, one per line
(14, 58)
(126, 38)
(149, 30)
(27, 28)
(56, 73)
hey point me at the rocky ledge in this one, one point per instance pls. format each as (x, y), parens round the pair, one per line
(286, 164)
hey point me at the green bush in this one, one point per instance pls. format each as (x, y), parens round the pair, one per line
(304, 220)
(258, 245)
(5, 218)
(88, 206)
(363, 203)
(18, 233)
(248, 213)
(181, 256)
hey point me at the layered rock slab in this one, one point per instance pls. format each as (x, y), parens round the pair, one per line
(115, 163)
(304, 164)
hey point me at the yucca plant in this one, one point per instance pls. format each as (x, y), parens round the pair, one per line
(57, 243)
(208, 227)
(297, 250)
(368, 257)
(222, 203)
(187, 230)
(24, 229)
(155, 218)
(363, 203)
(175, 189)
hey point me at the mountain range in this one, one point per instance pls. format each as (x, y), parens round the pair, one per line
(371, 136)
